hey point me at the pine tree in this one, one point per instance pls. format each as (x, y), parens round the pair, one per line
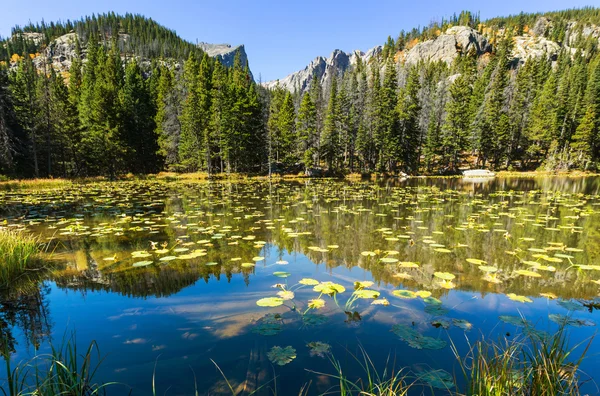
(220, 122)
(137, 112)
(168, 127)
(23, 92)
(101, 139)
(330, 140)
(409, 108)
(306, 129)
(65, 121)
(7, 123)
(543, 130)
(389, 137)
(455, 138)
(190, 143)
(492, 127)
(278, 96)
(287, 130)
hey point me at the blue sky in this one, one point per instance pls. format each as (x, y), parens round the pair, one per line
(280, 36)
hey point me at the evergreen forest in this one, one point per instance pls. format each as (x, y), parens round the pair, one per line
(156, 102)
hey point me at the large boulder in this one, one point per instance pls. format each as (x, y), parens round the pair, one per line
(527, 47)
(447, 46)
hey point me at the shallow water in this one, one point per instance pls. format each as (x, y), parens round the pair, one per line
(223, 242)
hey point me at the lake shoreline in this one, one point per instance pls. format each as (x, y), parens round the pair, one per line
(41, 183)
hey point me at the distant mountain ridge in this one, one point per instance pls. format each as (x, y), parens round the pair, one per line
(135, 35)
(536, 42)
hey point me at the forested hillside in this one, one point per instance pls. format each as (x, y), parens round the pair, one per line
(124, 105)
(137, 98)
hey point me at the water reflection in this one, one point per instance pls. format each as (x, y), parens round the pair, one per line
(177, 268)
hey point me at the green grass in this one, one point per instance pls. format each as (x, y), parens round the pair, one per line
(18, 250)
(64, 371)
(390, 381)
(532, 365)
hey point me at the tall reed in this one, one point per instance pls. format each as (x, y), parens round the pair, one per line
(530, 365)
(17, 250)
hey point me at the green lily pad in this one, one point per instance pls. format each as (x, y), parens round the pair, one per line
(568, 321)
(514, 320)
(142, 263)
(281, 356)
(571, 305)
(308, 282)
(270, 302)
(439, 379)
(313, 319)
(366, 294)
(329, 288)
(319, 349)
(463, 324)
(444, 275)
(281, 274)
(167, 258)
(444, 324)
(407, 294)
(268, 325)
(435, 310)
(417, 340)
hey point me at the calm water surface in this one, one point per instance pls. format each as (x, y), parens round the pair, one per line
(166, 276)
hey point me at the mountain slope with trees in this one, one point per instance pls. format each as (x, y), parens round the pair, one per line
(519, 92)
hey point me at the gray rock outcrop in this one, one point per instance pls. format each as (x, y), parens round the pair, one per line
(446, 47)
(225, 53)
(527, 47)
(324, 68)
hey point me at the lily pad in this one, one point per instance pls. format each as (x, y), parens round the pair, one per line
(417, 340)
(329, 288)
(522, 299)
(435, 310)
(366, 294)
(571, 305)
(319, 349)
(462, 323)
(313, 319)
(142, 263)
(281, 274)
(514, 320)
(268, 325)
(568, 321)
(439, 379)
(444, 275)
(286, 294)
(381, 301)
(167, 258)
(281, 356)
(270, 302)
(317, 303)
(407, 294)
(308, 282)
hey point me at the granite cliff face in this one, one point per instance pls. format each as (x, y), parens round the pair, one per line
(225, 53)
(445, 48)
(60, 52)
(324, 68)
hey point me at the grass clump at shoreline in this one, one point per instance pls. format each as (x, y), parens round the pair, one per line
(535, 364)
(18, 250)
(63, 371)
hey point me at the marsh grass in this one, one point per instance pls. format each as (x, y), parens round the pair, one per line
(64, 371)
(389, 381)
(18, 250)
(532, 365)
(34, 184)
